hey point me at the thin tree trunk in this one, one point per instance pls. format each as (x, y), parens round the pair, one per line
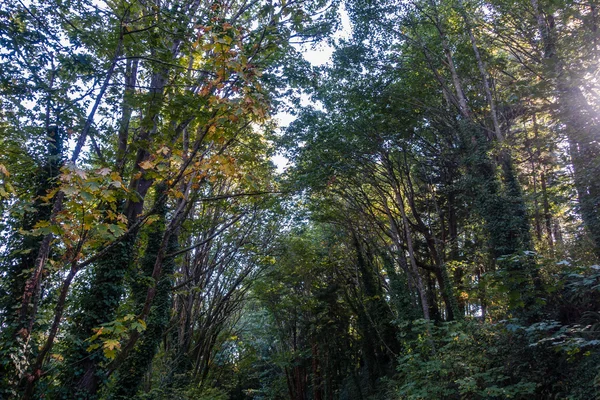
(460, 94)
(126, 112)
(32, 378)
(417, 279)
(547, 213)
(483, 72)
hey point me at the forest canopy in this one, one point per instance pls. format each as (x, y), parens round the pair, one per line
(435, 234)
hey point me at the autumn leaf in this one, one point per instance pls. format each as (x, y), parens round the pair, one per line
(164, 150)
(139, 325)
(3, 170)
(92, 347)
(80, 173)
(146, 164)
(111, 344)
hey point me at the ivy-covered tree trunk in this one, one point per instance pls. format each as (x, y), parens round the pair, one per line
(502, 207)
(21, 255)
(128, 376)
(100, 303)
(98, 307)
(400, 294)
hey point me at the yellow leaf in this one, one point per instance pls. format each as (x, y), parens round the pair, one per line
(111, 344)
(41, 224)
(146, 164)
(92, 347)
(164, 150)
(4, 170)
(151, 219)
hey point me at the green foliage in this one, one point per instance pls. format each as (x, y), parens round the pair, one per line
(442, 164)
(459, 360)
(507, 359)
(111, 334)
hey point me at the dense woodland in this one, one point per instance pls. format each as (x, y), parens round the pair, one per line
(435, 235)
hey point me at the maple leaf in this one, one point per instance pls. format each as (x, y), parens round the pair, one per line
(164, 150)
(146, 164)
(104, 171)
(81, 173)
(111, 344)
